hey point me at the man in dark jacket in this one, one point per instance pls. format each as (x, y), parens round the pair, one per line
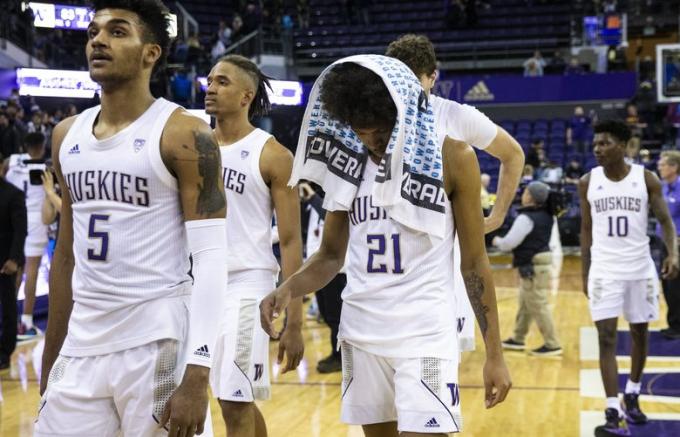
(529, 239)
(13, 230)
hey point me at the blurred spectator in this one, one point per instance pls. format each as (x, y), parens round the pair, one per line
(471, 17)
(364, 10)
(237, 31)
(647, 69)
(578, 132)
(194, 49)
(455, 14)
(616, 58)
(527, 174)
(224, 33)
(574, 68)
(650, 27)
(673, 121)
(552, 174)
(669, 169)
(557, 63)
(533, 158)
(633, 151)
(71, 110)
(180, 87)
(13, 229)
(10, 135)
(218, 50)
(251, 18)
(534, 66)
(646, 160)
(485, 197)
(37, 124)
(303, 13)
(609, 6)
(633, 120)
(573, 172)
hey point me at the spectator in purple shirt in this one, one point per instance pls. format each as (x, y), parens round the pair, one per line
(579, 131)
(669, 167)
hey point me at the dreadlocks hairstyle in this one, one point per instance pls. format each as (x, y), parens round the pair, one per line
(260, 105)
(155, 18)
(416, 51)
(616, 128)
(356, 96)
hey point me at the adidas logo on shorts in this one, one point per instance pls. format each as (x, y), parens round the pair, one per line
(203, 351)
(237, 394)
(432, 423)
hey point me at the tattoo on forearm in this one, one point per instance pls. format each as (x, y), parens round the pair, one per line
(474, 285)
(210, 198)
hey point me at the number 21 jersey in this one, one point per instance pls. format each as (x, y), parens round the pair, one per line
(399, 281)
(619, 212)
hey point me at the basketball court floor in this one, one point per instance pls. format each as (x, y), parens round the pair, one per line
(557, 396)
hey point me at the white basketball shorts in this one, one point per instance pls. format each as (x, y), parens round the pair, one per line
(241, 365)
(108, 395)
(637, 300)
(420, 394)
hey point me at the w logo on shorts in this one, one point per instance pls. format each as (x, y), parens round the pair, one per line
(259, 369)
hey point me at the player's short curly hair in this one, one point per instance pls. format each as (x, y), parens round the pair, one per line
(358, 97)
(155, 18)
(616, 128)
(416, 51)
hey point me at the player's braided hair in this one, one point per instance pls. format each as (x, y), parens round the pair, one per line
(358, 97)
(260, 104)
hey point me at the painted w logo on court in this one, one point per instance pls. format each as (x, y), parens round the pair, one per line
(259, 369)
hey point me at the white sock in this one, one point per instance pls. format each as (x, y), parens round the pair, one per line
(614, 403)
(633, 387)
(27, 320)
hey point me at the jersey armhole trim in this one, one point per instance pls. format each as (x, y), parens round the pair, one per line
(255, 163)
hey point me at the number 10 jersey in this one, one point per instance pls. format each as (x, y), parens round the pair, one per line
(398, 299)
(129, 243)
(619, 212)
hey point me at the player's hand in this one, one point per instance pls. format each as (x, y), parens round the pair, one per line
(272, 307)
(44, 377)
(292, 345)
(492, 222)
(186, 409)
(497, 381)
(669, 270)
(585, 288)
(9, 268)
(48, 181)
(306, 191)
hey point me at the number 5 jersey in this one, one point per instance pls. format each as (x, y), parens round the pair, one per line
(130, 278)
(397, 302)
(619, 212)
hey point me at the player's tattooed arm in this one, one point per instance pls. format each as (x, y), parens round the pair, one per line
(658, 205)
(586, 229)
(191, 154)
(463, 184)
(474, 284)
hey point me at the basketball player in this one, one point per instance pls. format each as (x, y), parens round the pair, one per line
(141, 189)
(255, 169)
(18, 173)
(620, 278)
(400, 364)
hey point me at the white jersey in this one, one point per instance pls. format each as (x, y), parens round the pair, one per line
(619, 212)
(130, 281)
(397, 299)
(462, 122)
(18, 174)
(249, 208)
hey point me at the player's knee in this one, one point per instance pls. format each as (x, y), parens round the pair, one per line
(638, 332)
(607, 339)
(235, 413)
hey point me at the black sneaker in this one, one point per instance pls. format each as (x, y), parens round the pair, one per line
(511, 344)
(330, 364)
(616, 424)
(545, 351)
(671, 334)
(631, 409)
